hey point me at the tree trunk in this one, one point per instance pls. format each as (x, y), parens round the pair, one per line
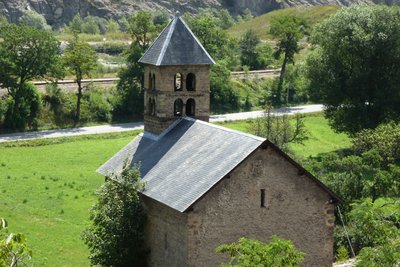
(281, 77)
(78, 102)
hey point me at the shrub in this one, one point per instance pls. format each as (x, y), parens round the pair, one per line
(250, 252)
(25, 114)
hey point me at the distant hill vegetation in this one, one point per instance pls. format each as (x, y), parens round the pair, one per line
(60, 12)
(261, 24)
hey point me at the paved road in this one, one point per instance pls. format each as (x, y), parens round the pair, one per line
(139, 125)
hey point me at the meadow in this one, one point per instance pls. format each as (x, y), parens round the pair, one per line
(321, 138)
(48, 186)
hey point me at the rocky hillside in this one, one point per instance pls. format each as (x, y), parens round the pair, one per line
(59, 12)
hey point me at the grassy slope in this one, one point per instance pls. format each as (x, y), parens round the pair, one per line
(261, 24)
(46, 192)
(321, 138)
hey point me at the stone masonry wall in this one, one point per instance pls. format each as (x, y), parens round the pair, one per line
(165, 235)
(296, 208)
(164, 94)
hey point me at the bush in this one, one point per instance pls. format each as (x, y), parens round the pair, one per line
(115, 237)
(250, 252)
(25, 114)
(35, 20)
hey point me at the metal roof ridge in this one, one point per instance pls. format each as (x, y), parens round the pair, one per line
(166, 42)
(227, 129)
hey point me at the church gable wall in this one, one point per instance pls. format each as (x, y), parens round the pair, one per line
(295, 208)
(165, 235)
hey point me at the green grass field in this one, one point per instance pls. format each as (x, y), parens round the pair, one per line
(46, 189)
(321, 138)
(261, 24)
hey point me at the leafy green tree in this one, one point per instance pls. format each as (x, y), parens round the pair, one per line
(35, 20)
(142, 29)
(22, 114)
(14, 250)
(247, 15)
(81, 60)
(250, 252)
(161, 17)
(123, 24)
(288, 30)
(354, 70)
(90, 25)
(25, 54)
(210, 35)
(115, 237)
(129, 86)
(75, 25)
(226, 20)
(279, 130)
(376, 227)
(248, 44)
(112, 26)
(223, 97)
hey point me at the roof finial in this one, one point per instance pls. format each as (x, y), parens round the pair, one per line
(177, 14)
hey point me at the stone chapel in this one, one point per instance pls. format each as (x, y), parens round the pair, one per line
(206, 185)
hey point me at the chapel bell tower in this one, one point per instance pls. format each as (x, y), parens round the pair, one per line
(176, 78)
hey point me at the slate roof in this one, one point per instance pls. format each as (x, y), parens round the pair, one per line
(186, 161)
(176, 45)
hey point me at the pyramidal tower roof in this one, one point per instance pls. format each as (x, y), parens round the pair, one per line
(176, 45)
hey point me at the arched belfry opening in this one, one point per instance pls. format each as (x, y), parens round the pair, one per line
(190, 107)
(178, 107)
(191, 82)
(178, 82)
(177, 78)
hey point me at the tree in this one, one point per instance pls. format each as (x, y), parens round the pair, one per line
(248, 44)
(25, 54)
(288, 30)
(90, 25)
(75, 25)
(376, 223)
(130, 84)
(250, 252)
(142, 28)
(115, 237)
(112, 26)
(354, 69)
(13, 248)
(80, 59)
(35, 20)
(279, 130)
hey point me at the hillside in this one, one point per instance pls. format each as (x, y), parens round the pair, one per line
(59, 12)
(261, 24)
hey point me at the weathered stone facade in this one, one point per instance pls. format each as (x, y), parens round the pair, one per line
(159, 84)
(296, 208)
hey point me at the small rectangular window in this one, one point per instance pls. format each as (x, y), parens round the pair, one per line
(262, 198)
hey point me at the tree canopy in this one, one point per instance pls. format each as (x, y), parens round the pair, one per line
(288, 30)
(81, 60)
(355, 68)
(25, 54)
(115, 237)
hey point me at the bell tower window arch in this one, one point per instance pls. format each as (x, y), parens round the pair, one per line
(190, 107)
(178, 82)
(178, 107)
(191, 82)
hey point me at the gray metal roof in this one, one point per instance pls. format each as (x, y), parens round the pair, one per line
(186, 161)
(176, 45)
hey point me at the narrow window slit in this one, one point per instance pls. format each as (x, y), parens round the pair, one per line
(262, 198)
